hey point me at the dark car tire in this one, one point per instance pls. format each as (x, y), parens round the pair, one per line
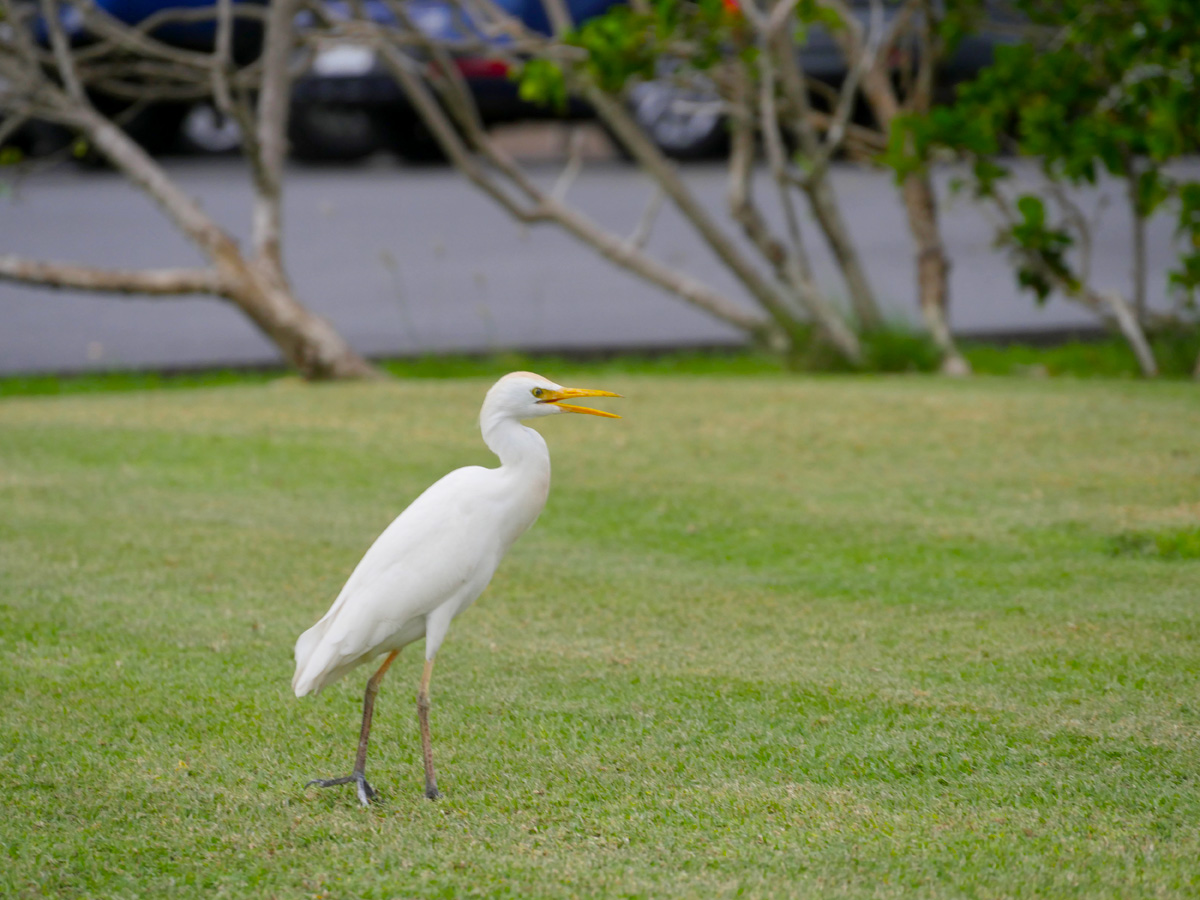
(322, 133)
(670, 117)
(155, 129)
(410, 139)
(205, 131)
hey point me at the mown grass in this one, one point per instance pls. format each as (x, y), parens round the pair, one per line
(772, 637)
(730, 361)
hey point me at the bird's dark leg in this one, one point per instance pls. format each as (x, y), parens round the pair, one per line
(358, 777)
(431, 790)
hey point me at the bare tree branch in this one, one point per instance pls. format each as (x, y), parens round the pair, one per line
(779, 61)
(443, 130)
(1109, 305)
(778, 18)
(1076, 217)
(271, 133)
(453, 120)
(572, 169)
(62, 52)
(136, 38)
(544, 208)
(16, 37)
(741, 204)
(145, 282)
(548, 208)
(863, 54)
(641, 232)
(223, 57)
(869, 141)
(665, 175)
(790, 261)
(559, 15)
(777, 158)
(452, 87)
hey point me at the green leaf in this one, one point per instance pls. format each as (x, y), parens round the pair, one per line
(1033, 210)
(541, 82)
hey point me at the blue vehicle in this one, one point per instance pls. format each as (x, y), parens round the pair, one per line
(199, 35)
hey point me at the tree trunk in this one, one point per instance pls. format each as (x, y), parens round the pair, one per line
(1137, 219)
(1127, 321)
(818, 190)
(825, 207)
(1140, 307)
(308, 342)
(933, 269)
(920, 205)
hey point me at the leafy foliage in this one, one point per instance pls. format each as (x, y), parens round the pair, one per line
(1186, 275)
(1047, 245)
(625, 43)
(1106, 86)
(541, 81)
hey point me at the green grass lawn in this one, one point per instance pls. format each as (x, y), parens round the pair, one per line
(772, 637)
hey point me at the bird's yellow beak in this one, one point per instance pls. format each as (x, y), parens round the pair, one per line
(555, 398)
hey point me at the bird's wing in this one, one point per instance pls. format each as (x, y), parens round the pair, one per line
(440, 545)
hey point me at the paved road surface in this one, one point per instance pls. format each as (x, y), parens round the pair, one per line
(407, 261)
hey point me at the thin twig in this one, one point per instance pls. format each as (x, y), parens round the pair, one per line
(223, 57)
(270, 148)
(448, 80)
(1076, 217)
(1109, 305)
(645, 224)
(544, 208)
(136, 39)
(798, 268)
(62, 53)
(559, 15)
(572, 169)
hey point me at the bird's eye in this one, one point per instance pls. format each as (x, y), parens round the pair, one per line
(538, 392)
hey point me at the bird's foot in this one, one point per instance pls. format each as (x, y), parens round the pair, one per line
(432, 793)
(365, 792)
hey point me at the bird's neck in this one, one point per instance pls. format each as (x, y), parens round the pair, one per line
(519, 447)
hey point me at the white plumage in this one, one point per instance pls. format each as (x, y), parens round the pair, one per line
(437, 557)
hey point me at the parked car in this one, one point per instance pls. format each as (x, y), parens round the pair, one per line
(685, 119)
(348, 104)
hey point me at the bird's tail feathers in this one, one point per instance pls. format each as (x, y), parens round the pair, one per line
(307, 677)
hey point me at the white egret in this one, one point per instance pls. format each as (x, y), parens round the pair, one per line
(436, 558)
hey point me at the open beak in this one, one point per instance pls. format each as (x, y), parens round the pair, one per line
(556, 397)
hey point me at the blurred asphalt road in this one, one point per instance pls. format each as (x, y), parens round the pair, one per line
(407, 261)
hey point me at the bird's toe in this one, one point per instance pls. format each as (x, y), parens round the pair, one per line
(362, 787)
(365, 792)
